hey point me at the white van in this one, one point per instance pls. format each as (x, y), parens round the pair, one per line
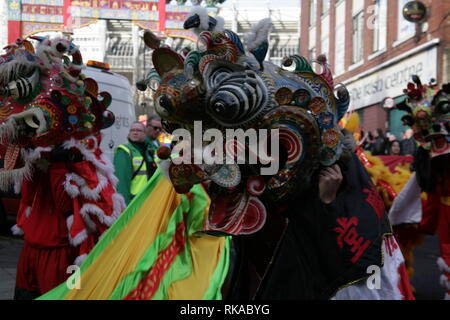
(121, 105)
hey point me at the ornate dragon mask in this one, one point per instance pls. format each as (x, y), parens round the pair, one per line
(428, 115)
(227, 85)
(45, 101)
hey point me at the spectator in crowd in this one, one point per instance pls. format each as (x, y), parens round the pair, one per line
(402, 136)
(391, 137)
(378, 147)
(394, 148)
(408, 145)
(134, 162)
(368, 142)
(154, 129)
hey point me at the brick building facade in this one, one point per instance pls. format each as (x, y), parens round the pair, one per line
(374, 51)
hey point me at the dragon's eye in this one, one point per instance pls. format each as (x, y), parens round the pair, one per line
(194, 82)
(217, 40)
(202, 45)
(443, 107)
(154, 84)
(163, 105)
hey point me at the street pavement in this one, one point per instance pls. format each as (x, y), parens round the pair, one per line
(9, 255)
(10, 247)
(425, 280)
(426, 272)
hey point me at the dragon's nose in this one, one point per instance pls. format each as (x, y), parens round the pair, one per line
(163, 105)
(165, 102)
(192, 22)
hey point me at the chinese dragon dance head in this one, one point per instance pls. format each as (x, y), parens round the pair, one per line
(428, 108)
(228, 85)
(45, 101)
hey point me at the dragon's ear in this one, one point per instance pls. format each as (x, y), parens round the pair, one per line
(166, 60)
(91, 86)
(28, 46)
(151, 40)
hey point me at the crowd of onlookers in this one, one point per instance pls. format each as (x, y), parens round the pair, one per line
(380, 144)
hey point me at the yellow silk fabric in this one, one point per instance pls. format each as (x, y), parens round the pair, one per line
(203, 251)
(121, 257)
(123, 254)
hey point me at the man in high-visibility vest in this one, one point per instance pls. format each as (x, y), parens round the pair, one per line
(154, 130)
(134, 162)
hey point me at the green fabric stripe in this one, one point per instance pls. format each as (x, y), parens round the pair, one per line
(181, 267)
(162, 241)
(214, 291)
(60, 292)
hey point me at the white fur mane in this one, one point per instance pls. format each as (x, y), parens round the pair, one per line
(10, 70)
(204, 20)
(259, 34)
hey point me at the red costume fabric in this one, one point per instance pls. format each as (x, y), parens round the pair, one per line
(41, 269)
(45, 207)
(393, 161)
(52, 133)
(436, 216)
(64, 209)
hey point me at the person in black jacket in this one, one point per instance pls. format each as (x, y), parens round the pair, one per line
(320, 241)
(368, 142)
(379, 145)
(408, 145)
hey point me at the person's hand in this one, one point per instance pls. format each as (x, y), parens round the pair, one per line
(330, 180)
(366, 136)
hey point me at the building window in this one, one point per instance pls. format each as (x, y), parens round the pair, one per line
(325, 6)
(379, 24)
(325, 35)
(280, 48)
(339, 58)
(312, 54)
(325, 47)
(312, 38)
(358, 33)
(312, 12)
(406, 29)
